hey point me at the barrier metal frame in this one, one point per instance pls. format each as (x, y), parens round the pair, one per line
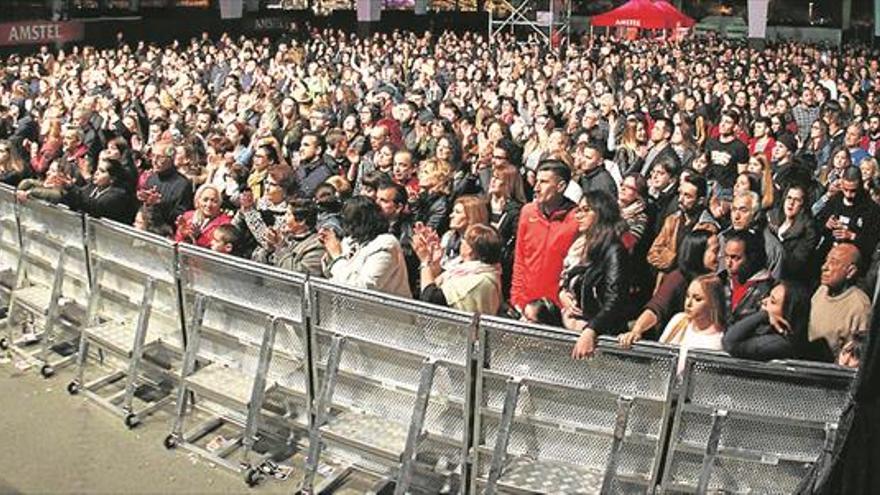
(792, 371)
(254, 424)
(108, 332)
(10, 245)
(46, 307)
(398, 468)
(310, 326)
(624, 405)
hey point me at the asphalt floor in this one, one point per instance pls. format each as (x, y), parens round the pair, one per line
(54, 442)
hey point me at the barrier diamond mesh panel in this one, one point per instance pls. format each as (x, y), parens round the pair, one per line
(64, 228)
(127, 259)
(775, 428)
(145, 254)
(566, 409)
(394, 323)
(243, 283)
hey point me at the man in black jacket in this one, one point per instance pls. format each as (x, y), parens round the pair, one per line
(590, 164)
(392, 200)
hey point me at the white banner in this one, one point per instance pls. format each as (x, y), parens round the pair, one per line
(877, 26)
(421, 7)
(231, 9)
(757, 19)
(369, 10)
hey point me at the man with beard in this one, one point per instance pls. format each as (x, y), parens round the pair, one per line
(392, 200)
(761, 141)
(660, 148)
(726, 151)
(747, 281)
(691, 203)
(850, 216)
(591, 167)
(312, 169)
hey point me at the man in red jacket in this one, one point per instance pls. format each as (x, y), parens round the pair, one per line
(547, 228)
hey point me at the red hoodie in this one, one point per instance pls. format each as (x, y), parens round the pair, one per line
(541, 246)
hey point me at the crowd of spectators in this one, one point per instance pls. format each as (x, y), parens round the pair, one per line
(696, 192)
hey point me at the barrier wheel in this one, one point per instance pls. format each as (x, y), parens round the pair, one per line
(132, 420)
(73, 388)
(252, 477)
(4, 344)
(47, 371)
(170, 442)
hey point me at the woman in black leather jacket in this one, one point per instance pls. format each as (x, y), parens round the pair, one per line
(595, 277)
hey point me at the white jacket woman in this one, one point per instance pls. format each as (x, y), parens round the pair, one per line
(369, 257)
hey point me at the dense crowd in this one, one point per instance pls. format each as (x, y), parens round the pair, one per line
(695, 192)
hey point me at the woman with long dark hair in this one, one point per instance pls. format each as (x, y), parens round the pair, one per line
(106, 195)
(697, 255)
(778, 331)
(371, 257)
(595, 278)
(795, 228)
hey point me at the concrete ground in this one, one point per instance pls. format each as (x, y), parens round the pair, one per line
(53, 442)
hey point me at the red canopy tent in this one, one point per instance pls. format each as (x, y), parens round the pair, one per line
(643, 14)
(679, 18)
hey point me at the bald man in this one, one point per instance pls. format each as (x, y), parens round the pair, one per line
(839, 308)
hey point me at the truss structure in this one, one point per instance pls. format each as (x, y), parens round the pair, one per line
(550, 19)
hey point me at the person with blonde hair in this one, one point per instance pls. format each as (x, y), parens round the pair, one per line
(759, 165)
(466, 211)
(432, 206)
(701, 324)
(506, 197)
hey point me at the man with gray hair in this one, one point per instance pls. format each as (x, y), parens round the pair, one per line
(744, 216)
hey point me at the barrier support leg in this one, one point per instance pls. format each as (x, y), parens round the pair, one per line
(321, 409)
(511, 397)
(426, 382)
(137, 352)
(258, 392)
(624, 407)
(189, 364)
(719, 418)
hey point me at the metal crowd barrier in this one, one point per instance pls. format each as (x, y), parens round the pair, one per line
(10, 241)
(546, 423)
(246, 348)
(51, 287)
(269, 363)
(394, 380)
(134, 316)
(750, 427)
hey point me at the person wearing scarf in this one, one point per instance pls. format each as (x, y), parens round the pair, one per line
(471, 284)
